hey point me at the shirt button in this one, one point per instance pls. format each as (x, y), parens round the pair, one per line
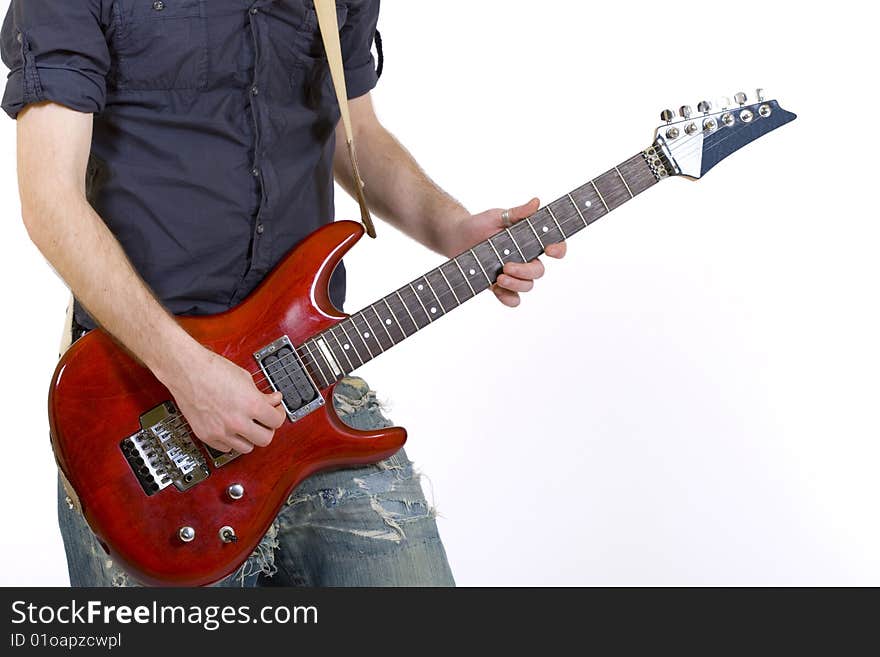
(255, 172)
(255, 90)
(158, 5)
(260, 229)
(254, 10)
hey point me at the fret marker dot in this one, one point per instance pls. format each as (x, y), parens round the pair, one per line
(472, 272)
(544, 228)
(388, 321)
(588, 204)
(421, 287)
(345, 346)
(433, 311)
(366, 334)
(506, 251)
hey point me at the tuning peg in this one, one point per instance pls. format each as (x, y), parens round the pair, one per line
(741, 98)
(704, 106)
(760, 93)
(667, 115)
(685, 111)
(725, 102)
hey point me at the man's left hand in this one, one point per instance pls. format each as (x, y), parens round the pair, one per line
(516, 277)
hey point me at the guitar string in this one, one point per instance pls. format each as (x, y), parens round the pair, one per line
(308, 359)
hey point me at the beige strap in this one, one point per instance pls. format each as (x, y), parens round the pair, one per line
(326, 11)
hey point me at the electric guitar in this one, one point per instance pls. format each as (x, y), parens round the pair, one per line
(173, 511)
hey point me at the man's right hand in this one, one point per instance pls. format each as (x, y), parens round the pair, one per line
(222, 404)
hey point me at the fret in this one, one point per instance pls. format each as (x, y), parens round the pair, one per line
(614, 192)
(638, 174)
(483, 269)
(508, 248)
(587, 197)
(381, 333)
(544, 223)
(335, 367)
(414, 306)
(345, 345)
(391, 341)
(519, 250)
(623, 180)
(530, 247)
(556, 221)
(419, 299)
(350, 343)
(497, 255)
(433, 289)
(456, 276)
(395, 330)
(365, 333)
(428, 299)
(340, 353)
(473, 270)
(537, 237)
(489, 259)
(600, 196)
(580, 214)
(325, 381)
(397, 315)
(341, 349)
(449, 285)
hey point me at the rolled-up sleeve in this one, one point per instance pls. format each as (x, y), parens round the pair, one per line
(56, 51)
(356, 38)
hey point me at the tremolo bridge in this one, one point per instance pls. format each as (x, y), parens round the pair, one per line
(287, 374)
(164, 451)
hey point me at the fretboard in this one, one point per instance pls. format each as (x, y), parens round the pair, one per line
(387, 322)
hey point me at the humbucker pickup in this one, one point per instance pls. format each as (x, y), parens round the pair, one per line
(287, 374)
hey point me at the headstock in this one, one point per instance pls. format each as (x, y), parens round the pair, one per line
(694, 142)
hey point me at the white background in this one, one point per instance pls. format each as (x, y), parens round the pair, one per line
(691, 397)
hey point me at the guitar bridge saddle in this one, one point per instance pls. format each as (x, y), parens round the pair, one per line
(164, 451)
(286, 373)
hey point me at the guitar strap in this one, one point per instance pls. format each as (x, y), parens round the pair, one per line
(329, 26)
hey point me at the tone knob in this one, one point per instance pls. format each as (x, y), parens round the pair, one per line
(741, 98)
(704, 106)
(227, 534)
(667, 115)
(685, 111)
(235, 491)
(186, 534)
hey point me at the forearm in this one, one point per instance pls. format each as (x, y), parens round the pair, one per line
(399, 191)
(74, 239)
(89, 259)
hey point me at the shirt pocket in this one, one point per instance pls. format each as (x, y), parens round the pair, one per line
(310, 74)
(160, 44)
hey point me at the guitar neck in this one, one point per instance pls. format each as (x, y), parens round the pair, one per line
(378, 327)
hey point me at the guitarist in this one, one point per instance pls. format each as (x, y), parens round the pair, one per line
(170, 153)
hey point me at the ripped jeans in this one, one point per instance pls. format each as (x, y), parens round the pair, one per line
(364, 526)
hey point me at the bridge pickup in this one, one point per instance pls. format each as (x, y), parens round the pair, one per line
(286, 373)
(164, 451)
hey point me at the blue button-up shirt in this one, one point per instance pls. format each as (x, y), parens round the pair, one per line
(213, 132)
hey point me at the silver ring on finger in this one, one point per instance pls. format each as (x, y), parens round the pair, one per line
(505, 218)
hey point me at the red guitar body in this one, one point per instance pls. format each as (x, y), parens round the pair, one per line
(99, 393)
